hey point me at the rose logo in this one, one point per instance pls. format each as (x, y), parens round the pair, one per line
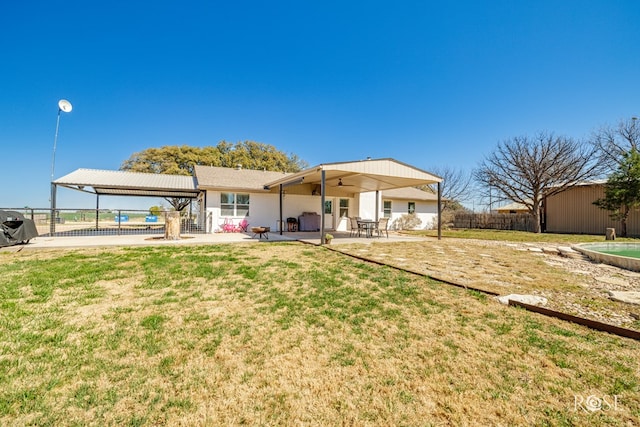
(593, 403)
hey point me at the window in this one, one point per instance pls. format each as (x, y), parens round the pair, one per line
(328, 207)
(344, 208)
(411, 207)
(386, 208)
(234, 204)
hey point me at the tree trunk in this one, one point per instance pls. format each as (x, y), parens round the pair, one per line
(172, 226)
(536, 216)
(623, 222)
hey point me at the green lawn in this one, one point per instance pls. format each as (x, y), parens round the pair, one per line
(286, 334)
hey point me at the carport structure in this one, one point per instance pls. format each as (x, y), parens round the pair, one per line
(350, 178)
(122, 183)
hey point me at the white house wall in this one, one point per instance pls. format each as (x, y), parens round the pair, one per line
(426, 211)
(367, 206)
(264, 210)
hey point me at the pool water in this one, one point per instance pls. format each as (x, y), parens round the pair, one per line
(619, 249)
(625, 255)
(634, 253)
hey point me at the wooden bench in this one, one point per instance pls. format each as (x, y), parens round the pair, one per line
(261, 231)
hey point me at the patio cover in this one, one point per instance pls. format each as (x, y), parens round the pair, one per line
(349, 178)
(122, 183)
(359, 176)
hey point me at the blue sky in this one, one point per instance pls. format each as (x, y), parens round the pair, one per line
(428, 83)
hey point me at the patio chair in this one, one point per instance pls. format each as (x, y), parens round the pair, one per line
(227, 226)
(382, 226)
(355, 227)
(242, 226)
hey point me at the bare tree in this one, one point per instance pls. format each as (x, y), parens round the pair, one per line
(524, 169)
(456, 186)
(614, 142)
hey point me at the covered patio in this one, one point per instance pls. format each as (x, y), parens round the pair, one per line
(122, 183)
(347, 179)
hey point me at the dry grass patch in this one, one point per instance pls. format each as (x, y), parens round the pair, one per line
(508, 268)
(285, 334)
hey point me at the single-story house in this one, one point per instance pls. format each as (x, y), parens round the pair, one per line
(366, 189)
(572, 211)
(399, 202)
(370, 189)
(513, 208)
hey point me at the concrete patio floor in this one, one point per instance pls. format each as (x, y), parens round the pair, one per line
(46, 242)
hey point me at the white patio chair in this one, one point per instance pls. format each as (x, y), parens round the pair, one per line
(382, 226)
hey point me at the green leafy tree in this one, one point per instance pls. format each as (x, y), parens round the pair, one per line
(156, 210)
(172, 160)
(622, 190)
(257, 156)
(181, 160)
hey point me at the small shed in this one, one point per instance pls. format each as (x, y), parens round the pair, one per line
(513, 208)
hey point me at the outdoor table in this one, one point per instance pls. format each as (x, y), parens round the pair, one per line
(368, 225)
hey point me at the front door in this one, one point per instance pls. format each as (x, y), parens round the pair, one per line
(328, 214)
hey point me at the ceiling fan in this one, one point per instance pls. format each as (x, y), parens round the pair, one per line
(340, 184)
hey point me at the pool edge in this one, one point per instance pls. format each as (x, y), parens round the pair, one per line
(627, 263)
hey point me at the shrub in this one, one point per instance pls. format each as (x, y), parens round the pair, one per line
(407, 222)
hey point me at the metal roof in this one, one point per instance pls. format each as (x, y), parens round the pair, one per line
(514, 206)
(359, 176)
(122, 183)
(212, 177)
(342, 178)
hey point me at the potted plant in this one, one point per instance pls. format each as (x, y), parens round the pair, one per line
(327, 238)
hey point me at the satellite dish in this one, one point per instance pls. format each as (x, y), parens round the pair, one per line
(65, 105)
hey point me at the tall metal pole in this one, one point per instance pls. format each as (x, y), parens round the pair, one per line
(439, 211)
(63, 105)
(280, 223)
(323, 187)
(55, 142)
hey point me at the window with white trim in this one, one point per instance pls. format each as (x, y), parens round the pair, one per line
(234, 204)
(386, 208)
(411, 208)
(344, 208)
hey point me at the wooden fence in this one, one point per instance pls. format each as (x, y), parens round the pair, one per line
(496, 221)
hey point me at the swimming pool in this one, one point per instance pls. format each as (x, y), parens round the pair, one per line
(624, 255)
